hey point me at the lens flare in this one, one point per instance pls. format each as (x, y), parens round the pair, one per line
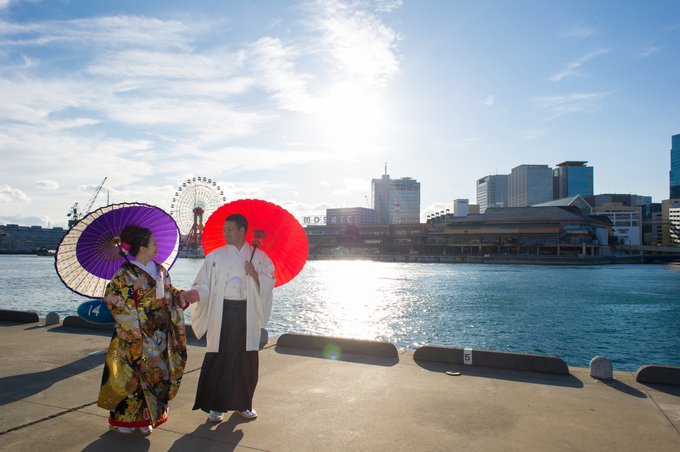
(332, 351)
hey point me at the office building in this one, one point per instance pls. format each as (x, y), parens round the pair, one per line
(571, 179)
(675, 167)
(492, 191)
(27, 239)
(548, 230)
(529, 185)
(461, 207)
(351, 215)
(626, 224)
(396, 200)
(624, 200)
(674, 225)
(669, 230)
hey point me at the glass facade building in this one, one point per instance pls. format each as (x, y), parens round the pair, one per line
(529, 185)
(571, 179)
(396, 200)
(492, 191)
(675, 168)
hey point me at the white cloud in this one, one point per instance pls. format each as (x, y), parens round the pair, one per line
(648, 51)
(434, 208)
(142, 99)
(356, 40)
(534, 134)
(30, 62)
(571, 68)
(388, 5)
(578, 32)
(574, 103)
(9, 194)
(488, 100)
(353, 185)
(31, 220)
(275, 70)
(110, 32)
(47, 184)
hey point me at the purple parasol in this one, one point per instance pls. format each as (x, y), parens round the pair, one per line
(87, 257)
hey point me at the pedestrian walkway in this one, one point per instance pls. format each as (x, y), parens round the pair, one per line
(50, 376)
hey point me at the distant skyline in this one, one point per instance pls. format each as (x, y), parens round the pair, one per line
(302, 103)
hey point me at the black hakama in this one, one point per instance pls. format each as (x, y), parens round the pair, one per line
(228, 377)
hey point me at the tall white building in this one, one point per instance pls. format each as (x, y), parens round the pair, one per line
(674, 225)
(529, 185)
(492, 191)
(461, 207)
(396, 200)
(625, 220)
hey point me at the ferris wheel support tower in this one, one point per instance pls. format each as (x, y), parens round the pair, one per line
(195, 200)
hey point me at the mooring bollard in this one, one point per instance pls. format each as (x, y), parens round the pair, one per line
(601, 368)
(52, 318)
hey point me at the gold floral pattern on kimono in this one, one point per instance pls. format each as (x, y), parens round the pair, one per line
(148, 352)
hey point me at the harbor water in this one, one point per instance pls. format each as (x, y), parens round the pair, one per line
(627, 313)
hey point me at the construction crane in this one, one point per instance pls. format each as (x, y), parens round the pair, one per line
(76, 214)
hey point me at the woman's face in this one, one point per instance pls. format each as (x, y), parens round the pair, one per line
(151, 248)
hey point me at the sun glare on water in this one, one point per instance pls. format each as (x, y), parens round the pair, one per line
(356, 300)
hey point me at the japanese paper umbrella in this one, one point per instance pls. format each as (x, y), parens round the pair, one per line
(279, 234)
(88, 255)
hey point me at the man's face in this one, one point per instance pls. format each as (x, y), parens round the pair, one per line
(232, 234)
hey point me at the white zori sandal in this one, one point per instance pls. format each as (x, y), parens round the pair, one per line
(124, 430)
(248, 414)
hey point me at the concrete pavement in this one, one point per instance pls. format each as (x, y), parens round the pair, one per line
(50, 376)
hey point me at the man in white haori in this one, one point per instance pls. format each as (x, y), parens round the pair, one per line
(231, 300)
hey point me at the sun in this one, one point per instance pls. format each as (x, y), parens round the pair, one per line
(351, 115)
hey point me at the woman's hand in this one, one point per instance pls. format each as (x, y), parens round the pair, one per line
(141, 282)
(189, 296)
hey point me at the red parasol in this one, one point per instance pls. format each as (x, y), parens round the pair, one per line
(270, 227)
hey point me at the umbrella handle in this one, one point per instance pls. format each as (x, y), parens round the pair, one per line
(255, 243)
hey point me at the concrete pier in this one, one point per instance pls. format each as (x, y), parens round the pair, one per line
(50, 376)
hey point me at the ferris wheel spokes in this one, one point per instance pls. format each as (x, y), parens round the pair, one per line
(194, 201)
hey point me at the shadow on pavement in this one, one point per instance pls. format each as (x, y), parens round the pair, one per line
(624, 388)
(112, 441)
(568, 381)
(667, 389)
(222, 436)
(19, 387)
(80, 331)
(349, 357)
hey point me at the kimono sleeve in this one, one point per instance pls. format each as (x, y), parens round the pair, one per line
(119, 297)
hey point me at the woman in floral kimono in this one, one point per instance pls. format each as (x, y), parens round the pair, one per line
(147, 355)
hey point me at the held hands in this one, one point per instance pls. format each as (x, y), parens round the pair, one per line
(189, 296)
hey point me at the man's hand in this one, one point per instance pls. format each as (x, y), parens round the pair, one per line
(250, 270)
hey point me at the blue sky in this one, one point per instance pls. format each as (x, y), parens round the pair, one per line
(303, 103)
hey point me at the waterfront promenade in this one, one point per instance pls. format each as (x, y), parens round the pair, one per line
(50, 375)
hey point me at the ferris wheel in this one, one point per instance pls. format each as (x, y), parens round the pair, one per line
(194, 201)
